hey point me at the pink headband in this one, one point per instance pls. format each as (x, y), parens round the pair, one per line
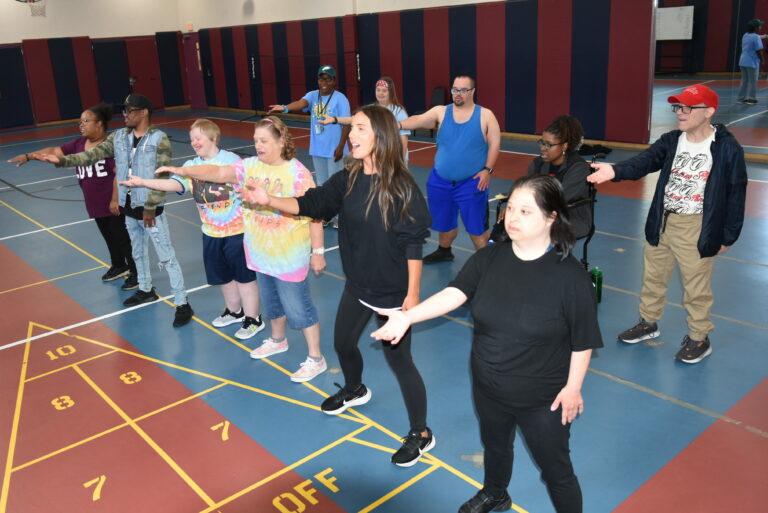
(382, 83)
(268, 120)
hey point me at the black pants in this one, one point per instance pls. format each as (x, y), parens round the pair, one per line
(115, 234)
(546, 438)
(351, 319)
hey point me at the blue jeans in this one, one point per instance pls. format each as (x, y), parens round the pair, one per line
(161, 240)
(287, 298)
(325, 167)
(748, 89)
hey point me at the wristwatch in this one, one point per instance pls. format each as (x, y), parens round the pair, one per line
(489, 169)
(318, 251)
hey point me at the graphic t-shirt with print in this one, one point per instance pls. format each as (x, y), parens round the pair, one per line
(276, 243)
(684, 193)
(218, 203)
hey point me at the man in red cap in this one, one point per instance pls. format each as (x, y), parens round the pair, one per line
(696, 213)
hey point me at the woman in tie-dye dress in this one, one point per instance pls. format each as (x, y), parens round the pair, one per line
(280, 247)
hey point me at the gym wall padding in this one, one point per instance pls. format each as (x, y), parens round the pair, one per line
(228, 60)
(15, 104)
(169, 56)
(242, 67)
(82, 50)
(42, 89)
(111, 61)
(205, 61)
(254, 69)
(144, 66)
(65, 77)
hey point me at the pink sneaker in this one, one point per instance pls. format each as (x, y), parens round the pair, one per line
(269, 347)
(308, 370)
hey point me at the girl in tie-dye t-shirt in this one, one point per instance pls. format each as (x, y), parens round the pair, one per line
(280, 247)
(222, 225)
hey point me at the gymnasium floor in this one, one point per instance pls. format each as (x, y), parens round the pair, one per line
(111, 409)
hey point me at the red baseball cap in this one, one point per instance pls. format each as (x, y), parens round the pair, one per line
(695, 95)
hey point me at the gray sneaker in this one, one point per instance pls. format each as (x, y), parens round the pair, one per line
(693, 351)
(641, 331)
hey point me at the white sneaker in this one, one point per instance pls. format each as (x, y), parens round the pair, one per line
(308, 370)
(227, 318)
(250, 327)
(268, 348)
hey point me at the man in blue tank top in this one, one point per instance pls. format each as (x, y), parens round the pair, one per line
(468, 141)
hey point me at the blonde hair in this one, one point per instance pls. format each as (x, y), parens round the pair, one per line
(210, 129)
(280, 132)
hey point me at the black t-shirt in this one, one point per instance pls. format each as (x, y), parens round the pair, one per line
(529, 316)
(375, 260)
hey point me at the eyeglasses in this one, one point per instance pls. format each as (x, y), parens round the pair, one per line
(686, 109)
(130, 110)
(545, 144)
(462, 92)
(84, 122)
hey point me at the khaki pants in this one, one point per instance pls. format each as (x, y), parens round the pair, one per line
(677, 246)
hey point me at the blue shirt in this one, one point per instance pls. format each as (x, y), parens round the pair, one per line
(461, 148)
(750, 45)
(326, 142)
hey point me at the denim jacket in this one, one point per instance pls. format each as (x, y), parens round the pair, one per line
(153, 151)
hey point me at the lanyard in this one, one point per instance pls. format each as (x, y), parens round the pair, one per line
(323, 108)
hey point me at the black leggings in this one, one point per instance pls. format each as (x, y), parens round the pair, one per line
(546, 438)
(351, 319)
(115, 234)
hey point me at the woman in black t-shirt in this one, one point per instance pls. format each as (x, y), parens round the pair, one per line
(383, 223)
(535, 328)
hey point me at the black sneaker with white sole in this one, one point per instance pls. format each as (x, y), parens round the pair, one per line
(414, 445)
(227, 318)
(346, 398)
(643, 330)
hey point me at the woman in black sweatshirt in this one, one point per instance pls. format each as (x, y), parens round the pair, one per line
(383, 223)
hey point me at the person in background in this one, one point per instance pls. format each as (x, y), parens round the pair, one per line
(99, 187)
(750, 61)
(327, 144)
(696, 213)
(139, 149)
(468, 142)
(559, 158)
(535, 326)
(386, 96)
(383, 223)
(281, 248)
(222, 225)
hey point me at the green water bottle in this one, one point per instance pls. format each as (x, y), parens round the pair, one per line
(597, 280)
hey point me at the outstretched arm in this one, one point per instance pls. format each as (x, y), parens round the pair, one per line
(441, 303)
(23, 158)
(331, 120)
(427, 120)
(167, 184)
(293, 106)
(254, 193)
(206, 172)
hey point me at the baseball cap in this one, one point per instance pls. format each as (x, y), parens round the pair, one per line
(753, 24)
(694, 95)
(137, 100)
(327, 69)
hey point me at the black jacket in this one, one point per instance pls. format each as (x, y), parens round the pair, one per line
(724, 194)
(573, 175)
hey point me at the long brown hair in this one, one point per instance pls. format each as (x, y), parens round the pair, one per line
(392, 185)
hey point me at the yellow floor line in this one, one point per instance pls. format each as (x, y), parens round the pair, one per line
(50, 280)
